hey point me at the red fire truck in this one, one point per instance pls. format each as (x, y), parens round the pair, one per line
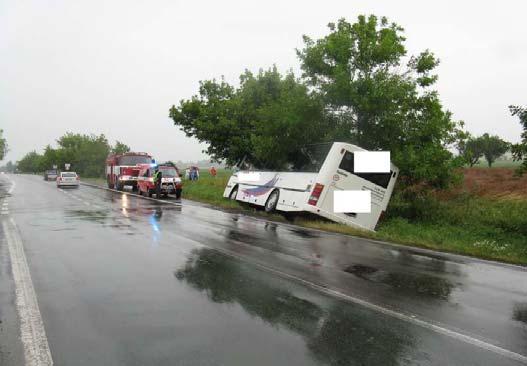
(122, 169)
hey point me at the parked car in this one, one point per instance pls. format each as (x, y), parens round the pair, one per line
(68, 179)
(51, 174)
(170, 181)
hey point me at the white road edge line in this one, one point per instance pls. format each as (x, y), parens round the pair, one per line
(32, 333)
(13, 184)
(395, 314)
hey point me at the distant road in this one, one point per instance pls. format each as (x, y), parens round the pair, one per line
(122, 280)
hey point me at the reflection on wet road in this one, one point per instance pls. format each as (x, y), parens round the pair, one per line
(127, 281)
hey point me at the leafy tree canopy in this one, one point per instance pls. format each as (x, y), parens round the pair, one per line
(86, 154)
(30, 163)
(120, 148)
(266, 119)
(380, 102)
(471, 150)
(519, 151)
(492, 147)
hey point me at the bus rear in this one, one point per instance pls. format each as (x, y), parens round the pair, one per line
(337, 174)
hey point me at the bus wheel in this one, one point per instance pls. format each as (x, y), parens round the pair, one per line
(272, 201)
(233, 194)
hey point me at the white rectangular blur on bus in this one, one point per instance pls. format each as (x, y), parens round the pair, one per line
(372, 161)
(352, 201)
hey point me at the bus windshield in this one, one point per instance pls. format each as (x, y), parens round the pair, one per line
(311, 158)
(134, 160)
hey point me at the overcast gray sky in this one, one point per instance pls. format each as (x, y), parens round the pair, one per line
(115, 67)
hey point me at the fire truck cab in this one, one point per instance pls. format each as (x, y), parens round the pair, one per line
(123, 169)
(170, 181)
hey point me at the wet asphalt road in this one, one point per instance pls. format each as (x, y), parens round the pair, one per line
(121, 280)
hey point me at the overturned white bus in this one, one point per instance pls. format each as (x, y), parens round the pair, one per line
(312, 189)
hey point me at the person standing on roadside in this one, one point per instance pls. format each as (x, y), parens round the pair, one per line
(213, 171)
(158, 176)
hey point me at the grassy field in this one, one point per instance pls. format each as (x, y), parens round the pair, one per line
(482, 163)
(485, 217)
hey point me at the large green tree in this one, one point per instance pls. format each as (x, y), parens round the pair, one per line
(492, 147)
(381, 103)
(471, 150)
(30, 163)
(3, 145)
(519, 151)
(266, 119)
(85, 153)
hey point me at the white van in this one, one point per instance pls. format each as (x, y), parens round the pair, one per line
(328, 170)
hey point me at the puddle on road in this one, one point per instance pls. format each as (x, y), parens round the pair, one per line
(304, 233)
(410, 283)
(88, 215)
(335, 333)
(519, 312)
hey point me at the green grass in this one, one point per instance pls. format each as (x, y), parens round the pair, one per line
(209, 189)
(481, 227)
(482, 163)
(484, 228)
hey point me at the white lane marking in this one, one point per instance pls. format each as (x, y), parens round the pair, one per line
(32, 332)
(13, 184)
(395, 314)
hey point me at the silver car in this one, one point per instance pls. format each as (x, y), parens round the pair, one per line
(68, 179)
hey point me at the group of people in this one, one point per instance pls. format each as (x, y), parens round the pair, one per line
(192, 173)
